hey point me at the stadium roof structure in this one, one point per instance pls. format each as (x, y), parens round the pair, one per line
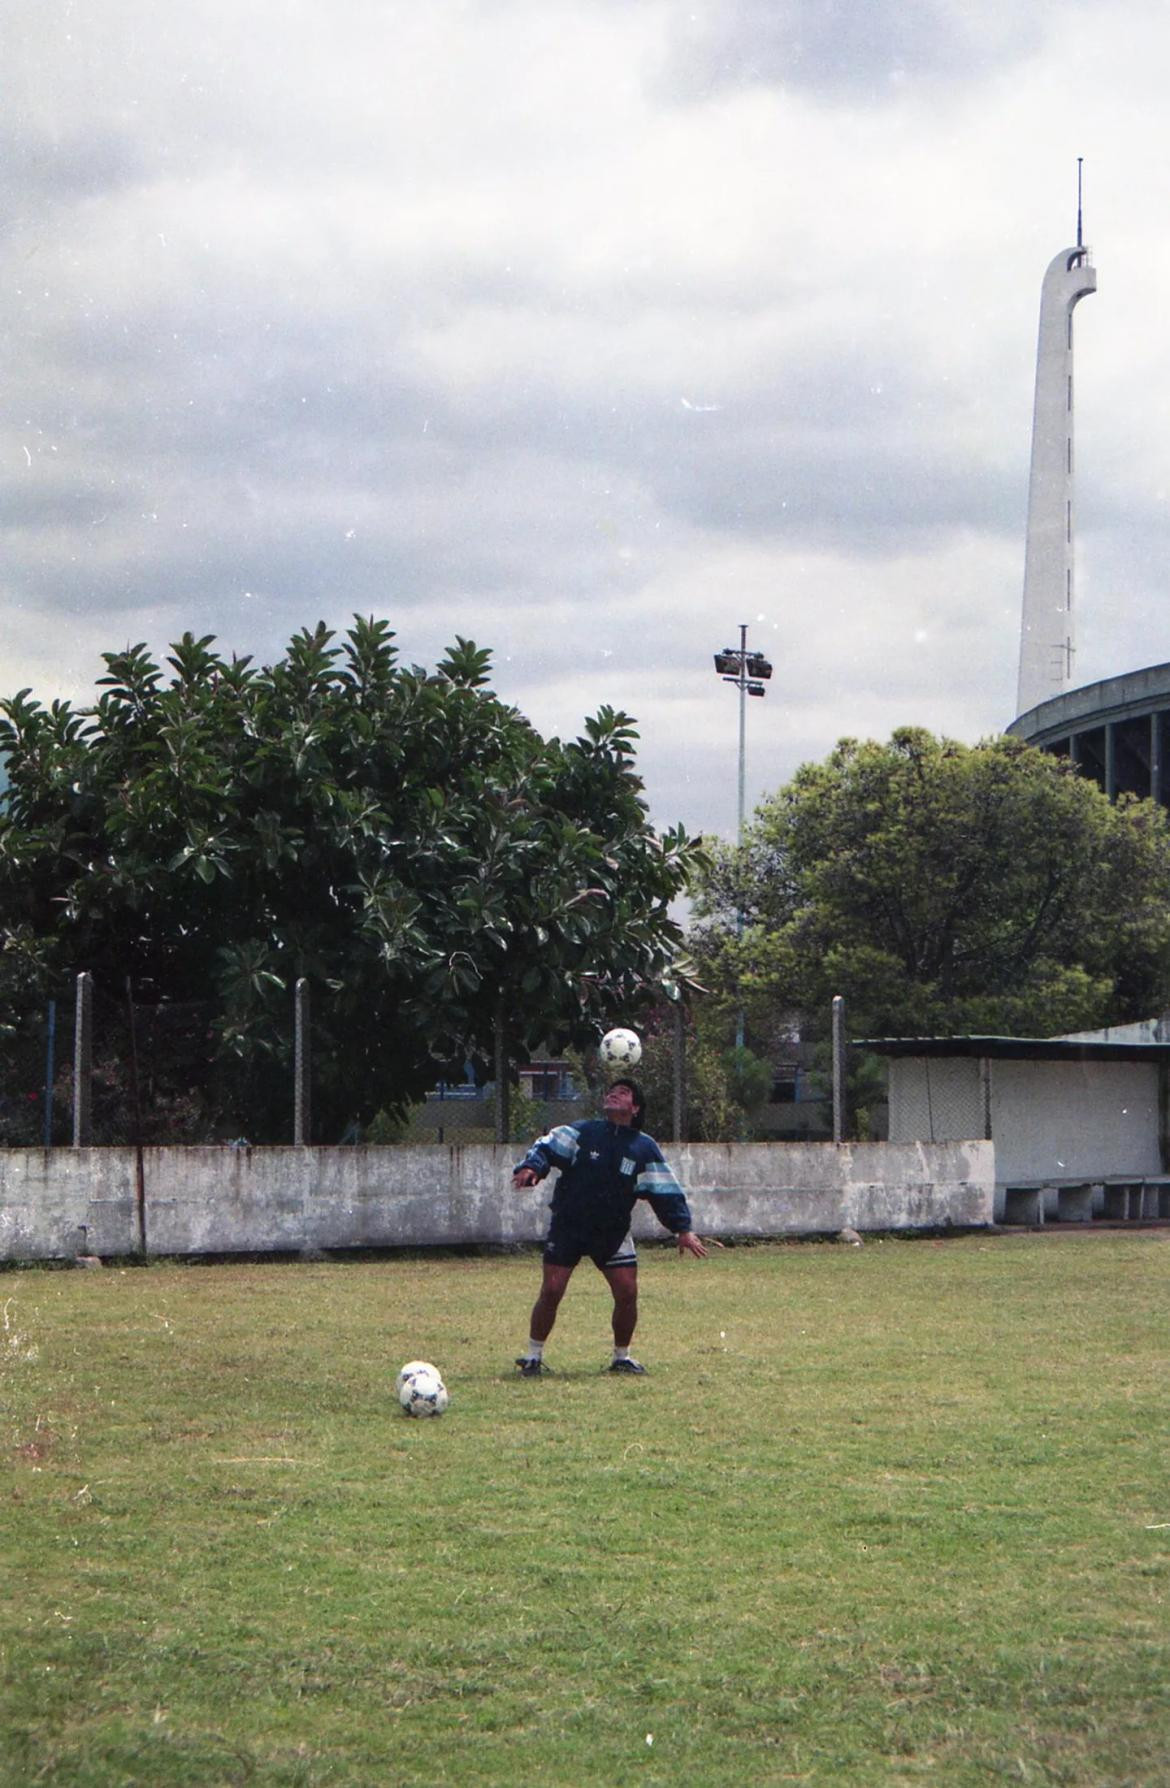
(1033, 1049)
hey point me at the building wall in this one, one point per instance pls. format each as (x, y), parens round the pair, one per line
(1080, 1119)
(63, 1202)
(1049, 1120)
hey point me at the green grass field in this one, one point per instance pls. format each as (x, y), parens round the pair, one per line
(897, 1514)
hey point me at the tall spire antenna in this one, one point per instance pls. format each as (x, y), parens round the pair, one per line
(1080, 234)
(1046, 631)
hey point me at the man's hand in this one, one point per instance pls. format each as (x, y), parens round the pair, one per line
(526, 1177)
(689, 1243)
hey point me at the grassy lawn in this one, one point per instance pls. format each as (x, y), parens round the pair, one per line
(897, 1514)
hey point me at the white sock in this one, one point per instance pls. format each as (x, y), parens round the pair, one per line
(534, 1350)
(621, 1353)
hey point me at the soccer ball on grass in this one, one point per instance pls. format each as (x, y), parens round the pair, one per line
(620, 1050)
(421, 1390)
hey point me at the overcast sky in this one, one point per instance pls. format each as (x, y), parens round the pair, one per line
(587, 329)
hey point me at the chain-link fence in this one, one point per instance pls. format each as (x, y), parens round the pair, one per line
(939, 1099)
(146, 1073)
(154, 1070)
(156, 1073)
(471, 1117)
(36, 1076)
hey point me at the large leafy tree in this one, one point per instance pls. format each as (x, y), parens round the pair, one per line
(404, 839)
(943, 889)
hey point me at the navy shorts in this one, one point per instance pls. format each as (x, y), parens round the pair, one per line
(568, 1243)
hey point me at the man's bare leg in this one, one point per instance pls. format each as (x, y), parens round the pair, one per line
(623, 1282)
(544, 1314)
(552, 1289)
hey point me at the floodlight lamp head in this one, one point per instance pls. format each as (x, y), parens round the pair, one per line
(758, 665)
(755, 689)
(726, 661)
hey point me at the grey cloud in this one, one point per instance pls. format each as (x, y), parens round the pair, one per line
(814, 449)
(865, 488)
(296, 464)
(389, 359)
(43, 170)
(841, 48)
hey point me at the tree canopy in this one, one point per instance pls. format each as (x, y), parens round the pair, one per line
(403, 838)
(944, 889)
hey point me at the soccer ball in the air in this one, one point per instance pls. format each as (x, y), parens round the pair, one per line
(619, 1049)
(421, 1390)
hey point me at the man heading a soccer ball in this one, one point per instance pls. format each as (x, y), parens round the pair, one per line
(605, 1165)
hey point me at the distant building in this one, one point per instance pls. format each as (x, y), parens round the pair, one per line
(550, 1079)
(1116, 731)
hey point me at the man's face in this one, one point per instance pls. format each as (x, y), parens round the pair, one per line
(619, 1105)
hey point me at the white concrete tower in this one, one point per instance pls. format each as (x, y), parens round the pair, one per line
(1047, 640)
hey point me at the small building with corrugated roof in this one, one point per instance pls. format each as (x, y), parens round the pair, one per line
(1079, 1122)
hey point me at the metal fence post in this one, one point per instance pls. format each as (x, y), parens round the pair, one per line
(83, 1063)
(501, 1072)
(680, 1073)
(136, 1106)
(50, 1071)
(302, 1117)
(838, 1068)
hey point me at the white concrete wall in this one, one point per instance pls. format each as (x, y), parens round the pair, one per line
(1074, 1119)
(64, 1202)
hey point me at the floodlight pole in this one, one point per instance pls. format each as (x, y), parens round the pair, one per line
(742, 739)
(747, 670)
(739, 1021)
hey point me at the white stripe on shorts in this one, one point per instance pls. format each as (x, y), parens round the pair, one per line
(625, 1256)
